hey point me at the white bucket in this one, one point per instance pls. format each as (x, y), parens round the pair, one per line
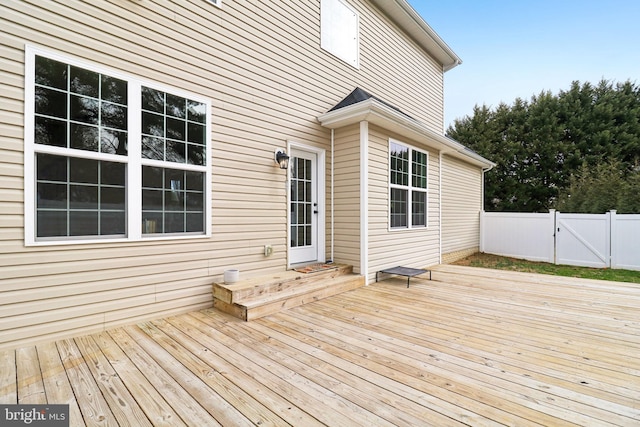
(231, 276)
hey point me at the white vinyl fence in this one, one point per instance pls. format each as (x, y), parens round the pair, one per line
(604, 241)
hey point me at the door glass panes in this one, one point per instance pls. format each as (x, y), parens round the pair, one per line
(173, 128)
(78, 108)
(172, 201)
(301, 202)
(79, 197)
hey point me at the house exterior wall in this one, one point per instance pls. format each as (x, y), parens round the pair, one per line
(418, 247)
(461, 206)
(347, 187)
(262, 67)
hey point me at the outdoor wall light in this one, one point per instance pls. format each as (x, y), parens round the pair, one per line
(282, 159)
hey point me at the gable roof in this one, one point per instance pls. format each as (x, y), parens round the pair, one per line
(360, 105)
(405, 16)
(359, 95)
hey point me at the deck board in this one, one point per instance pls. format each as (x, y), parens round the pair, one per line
(481, 352)
(150, 405)
(56, 382)
(8, 378)
(93, 406)
(30, 384)
(470, 347)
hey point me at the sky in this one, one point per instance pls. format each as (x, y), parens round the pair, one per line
(518, 48)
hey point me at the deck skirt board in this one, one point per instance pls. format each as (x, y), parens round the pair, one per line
(470, 347)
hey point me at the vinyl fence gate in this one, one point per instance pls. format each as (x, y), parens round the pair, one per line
(591, 240)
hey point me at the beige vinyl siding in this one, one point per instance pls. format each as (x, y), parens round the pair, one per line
(461, 205)
(261, 65)
(407, 70)
(409, 248)
(347, 196)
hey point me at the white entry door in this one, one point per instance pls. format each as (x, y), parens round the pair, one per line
(304, 207)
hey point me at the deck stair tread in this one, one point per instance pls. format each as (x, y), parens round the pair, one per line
(251, 288)
(260, 296)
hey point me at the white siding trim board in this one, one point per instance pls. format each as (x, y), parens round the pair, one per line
(364, 198)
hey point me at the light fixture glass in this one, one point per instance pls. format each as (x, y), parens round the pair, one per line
(282, 159)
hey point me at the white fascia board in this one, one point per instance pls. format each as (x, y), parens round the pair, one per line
(380, 114)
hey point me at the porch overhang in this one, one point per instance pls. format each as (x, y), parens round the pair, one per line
(381, 114)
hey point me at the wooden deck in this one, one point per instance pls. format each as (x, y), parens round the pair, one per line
(472, 347)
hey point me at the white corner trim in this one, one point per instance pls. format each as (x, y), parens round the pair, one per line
(364, 200)
(332, 193)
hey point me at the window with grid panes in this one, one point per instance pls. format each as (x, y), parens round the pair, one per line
(408, 186)
(93, 177)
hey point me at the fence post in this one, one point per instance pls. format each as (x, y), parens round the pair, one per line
(613, 234)
(552, 246)
(482, 232)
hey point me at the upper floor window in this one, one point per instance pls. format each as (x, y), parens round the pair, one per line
(110, 157)
(408, 188)
(339, 30)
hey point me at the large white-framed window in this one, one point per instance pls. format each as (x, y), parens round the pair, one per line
(408, 186)
(110, 157)
(340, 30)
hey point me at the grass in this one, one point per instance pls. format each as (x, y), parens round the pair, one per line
(513, 264)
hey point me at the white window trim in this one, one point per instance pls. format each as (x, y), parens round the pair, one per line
(408, 187)
(134, 158)
(215, 2)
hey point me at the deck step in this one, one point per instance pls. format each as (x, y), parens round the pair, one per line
(257, 297)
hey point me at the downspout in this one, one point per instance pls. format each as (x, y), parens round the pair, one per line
(440, 176)
(440, 207)
(482, 192)
(481, 236)
(332, 193)
(483, 172)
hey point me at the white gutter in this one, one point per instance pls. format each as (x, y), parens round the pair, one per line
(381, 114)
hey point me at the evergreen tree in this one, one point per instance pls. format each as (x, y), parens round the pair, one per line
(594, 190)
(629, 201)
(549, 148)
